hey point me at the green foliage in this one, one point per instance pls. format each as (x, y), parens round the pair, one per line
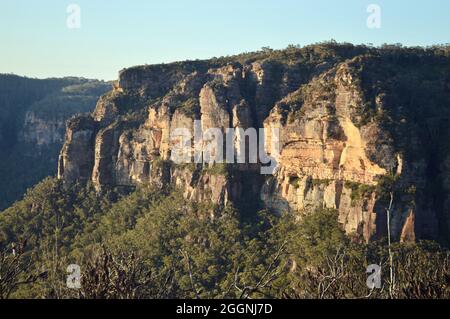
(319, 182)
(217, 169)
(294, 181)
(359, 191)
(173, 238)
(190, 108)
(319, 235)
(155, 244)
(386, 184)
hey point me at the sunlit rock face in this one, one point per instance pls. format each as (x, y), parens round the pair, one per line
(354, 123)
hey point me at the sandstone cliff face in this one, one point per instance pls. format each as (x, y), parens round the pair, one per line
(33, 116)
(323, 151)
(43, 131)
(350, 133)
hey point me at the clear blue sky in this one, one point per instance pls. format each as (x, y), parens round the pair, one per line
(35, 41)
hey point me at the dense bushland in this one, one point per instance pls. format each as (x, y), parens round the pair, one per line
(151, 243)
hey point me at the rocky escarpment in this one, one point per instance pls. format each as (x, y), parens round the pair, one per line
(356, 125)
(41, 131)
(32, 126)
